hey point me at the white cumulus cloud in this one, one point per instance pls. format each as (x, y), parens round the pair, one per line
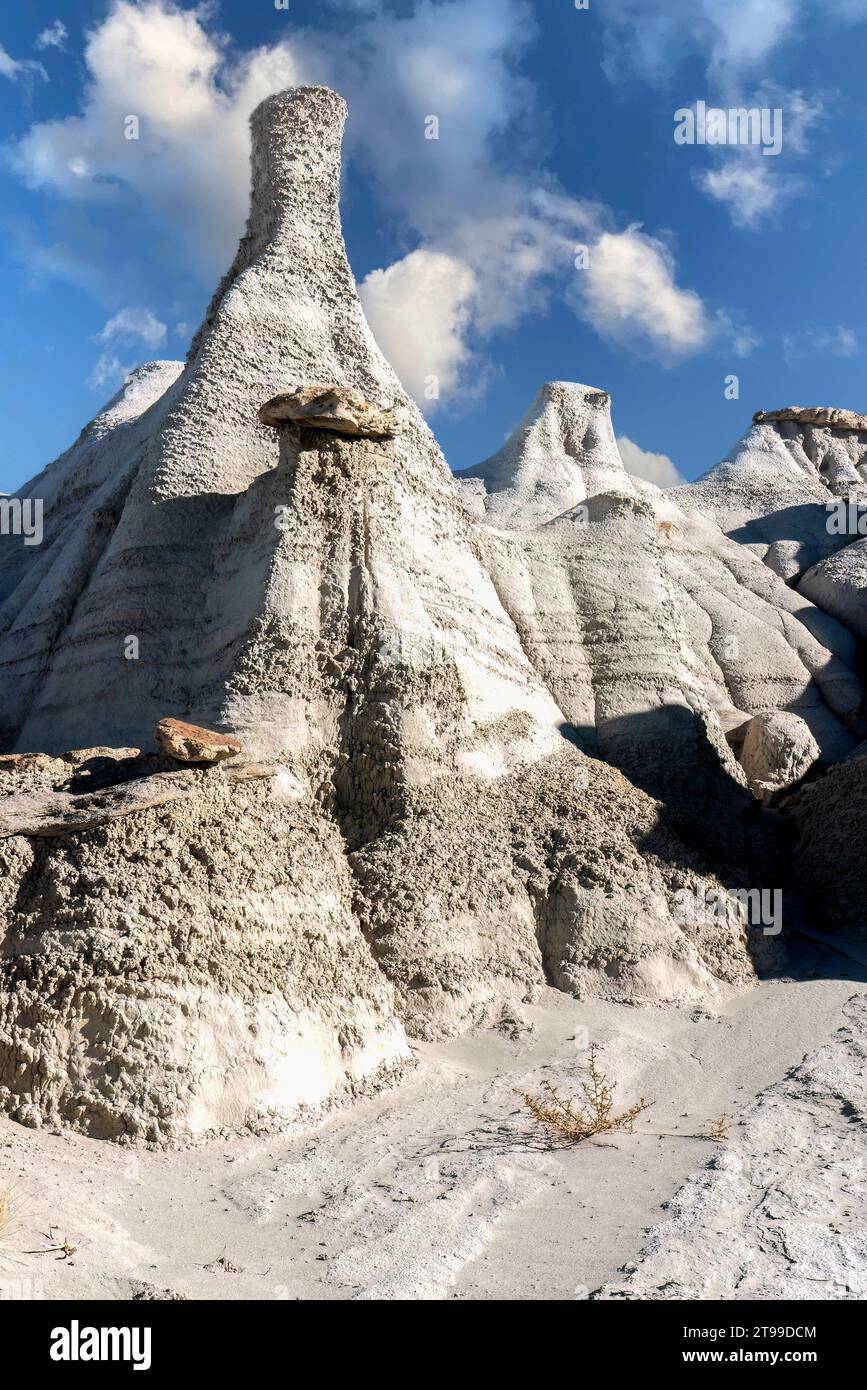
(630, 296)
(158, 63)
(420, 309)
(641, 463)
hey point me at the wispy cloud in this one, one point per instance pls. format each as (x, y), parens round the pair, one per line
(748, 187)
(838, 341)
(108, 370)
(17, 68)
(132, 325)
(54, 36)
(653, 39)
(753, 187)
(734, 40)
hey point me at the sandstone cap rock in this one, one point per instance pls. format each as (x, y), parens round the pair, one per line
(187, 743)
(824, 416)
(339, 409)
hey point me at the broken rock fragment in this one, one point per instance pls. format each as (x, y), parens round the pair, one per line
(23, 765)
(78, 757)
(778, 751)
(47, 812)
(188, 743)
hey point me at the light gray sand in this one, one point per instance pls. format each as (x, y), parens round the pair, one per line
(779, 1210)
(439, 1189)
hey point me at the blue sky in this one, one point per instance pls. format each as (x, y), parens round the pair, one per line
(556, 130)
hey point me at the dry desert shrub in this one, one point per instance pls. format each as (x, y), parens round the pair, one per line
(719, 1129)
(589, 1113)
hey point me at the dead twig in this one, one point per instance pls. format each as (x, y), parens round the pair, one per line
(62, 1248)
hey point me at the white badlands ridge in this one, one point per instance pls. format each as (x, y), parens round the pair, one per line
(489, 726)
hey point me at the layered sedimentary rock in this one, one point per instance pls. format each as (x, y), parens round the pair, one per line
(83, 495)
(839, 586)
(772, 491)
(659, 636)
(425, 839)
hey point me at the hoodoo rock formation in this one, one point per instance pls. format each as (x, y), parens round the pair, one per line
(659, 636)
(470, 721)
(772, 491)
(562, 452)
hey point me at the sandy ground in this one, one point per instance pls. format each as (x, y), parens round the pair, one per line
(444, 1188)
(780, 1209)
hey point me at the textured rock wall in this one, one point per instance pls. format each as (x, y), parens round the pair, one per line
(83, 494)
(839, 586)
(188, 968)
(830, 816)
